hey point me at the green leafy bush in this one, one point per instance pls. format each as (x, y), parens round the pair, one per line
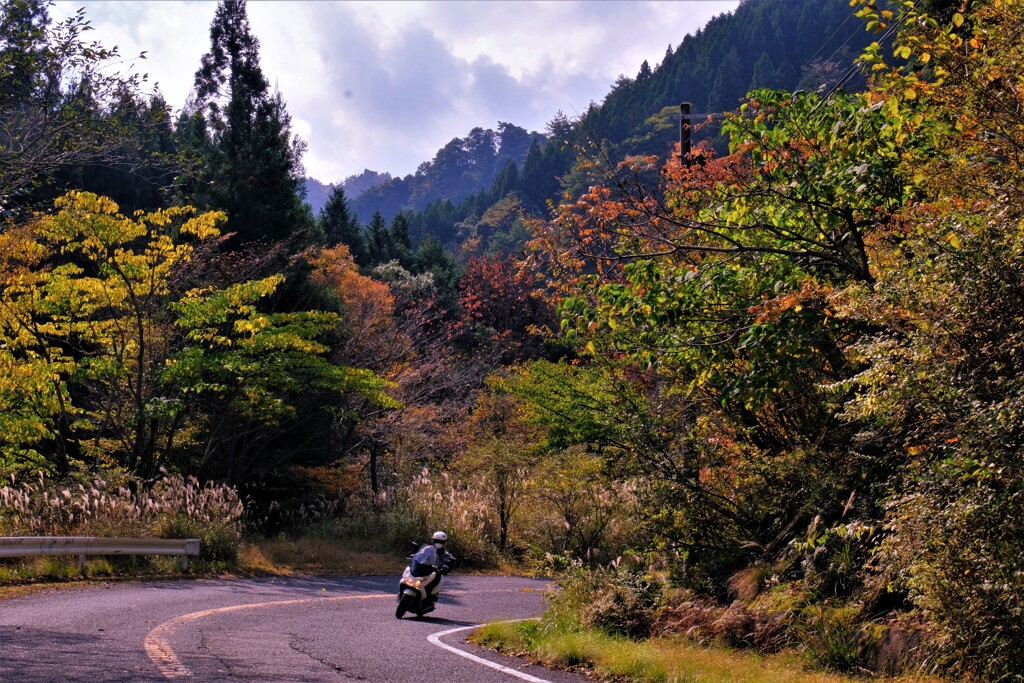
(617, 600)
(831, 636)
(624, 604)
(218, 541)
(958, 547)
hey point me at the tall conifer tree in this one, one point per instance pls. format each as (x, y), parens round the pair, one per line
(253, 168)
(400, 239)
(23, 38)
(339, 224)
(378, 241)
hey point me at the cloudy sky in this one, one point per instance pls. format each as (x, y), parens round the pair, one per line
(384, 85)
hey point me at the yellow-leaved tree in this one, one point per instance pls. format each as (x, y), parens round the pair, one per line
(84, 329)
(110, 362)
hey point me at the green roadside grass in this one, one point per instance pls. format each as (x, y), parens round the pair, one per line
(657, 660)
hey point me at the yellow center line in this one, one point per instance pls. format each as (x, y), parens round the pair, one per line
(160, 652)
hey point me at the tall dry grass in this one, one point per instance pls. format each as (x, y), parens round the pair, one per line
(461, 508)
(583, 521)
(172, 507)
(387, 521)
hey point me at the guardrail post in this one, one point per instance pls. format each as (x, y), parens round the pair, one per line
(81, 565)
(191, 548)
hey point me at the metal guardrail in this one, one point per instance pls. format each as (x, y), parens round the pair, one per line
(23, 546)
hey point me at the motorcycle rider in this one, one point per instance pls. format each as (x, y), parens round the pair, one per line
(431, 558)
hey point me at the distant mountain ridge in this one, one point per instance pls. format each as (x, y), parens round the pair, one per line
(781, 44)
(317, 192)
(462, 167)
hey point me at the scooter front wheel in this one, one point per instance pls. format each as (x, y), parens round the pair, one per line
(404, 605)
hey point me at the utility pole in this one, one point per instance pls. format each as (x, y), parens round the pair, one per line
(684, 133)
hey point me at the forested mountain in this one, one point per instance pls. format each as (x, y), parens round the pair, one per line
(787, 44)
(782, 44)
(317, 193)
(460, 168)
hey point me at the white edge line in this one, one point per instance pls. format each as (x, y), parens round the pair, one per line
(435, 638)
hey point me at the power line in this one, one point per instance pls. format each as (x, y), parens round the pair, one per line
(853, 69)
(821, 47)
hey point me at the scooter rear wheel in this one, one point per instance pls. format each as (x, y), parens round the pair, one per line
(404, 605)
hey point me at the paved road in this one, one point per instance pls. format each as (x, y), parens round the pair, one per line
(280, 630)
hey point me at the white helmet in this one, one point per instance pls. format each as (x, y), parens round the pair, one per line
(440, 537)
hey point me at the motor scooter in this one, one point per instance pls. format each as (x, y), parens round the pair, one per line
(418, 594)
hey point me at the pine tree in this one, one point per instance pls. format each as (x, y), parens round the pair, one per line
(531, 178)
(645, 73)
(539, 178)
(378, 242)
(145, 164)
(254, 170)
(728, 87)
(515, 142)
(433, 258)
(23, 25)
(764, 72)
(400, 242)
(339, 224)
(507, 181)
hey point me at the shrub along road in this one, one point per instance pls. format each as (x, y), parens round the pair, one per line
(284, 629)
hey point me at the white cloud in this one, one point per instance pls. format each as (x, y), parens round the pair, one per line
(384, 85)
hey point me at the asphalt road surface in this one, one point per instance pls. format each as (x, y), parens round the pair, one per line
(279, 630)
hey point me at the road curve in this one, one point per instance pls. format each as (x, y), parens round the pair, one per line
(279, 630)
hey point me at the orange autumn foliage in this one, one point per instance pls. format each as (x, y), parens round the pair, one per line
(369, 305)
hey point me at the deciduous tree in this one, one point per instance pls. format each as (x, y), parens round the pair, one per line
(84, 304)
(57, 93)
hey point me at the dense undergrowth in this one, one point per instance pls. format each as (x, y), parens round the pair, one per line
(624, 618)
(624, 624)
